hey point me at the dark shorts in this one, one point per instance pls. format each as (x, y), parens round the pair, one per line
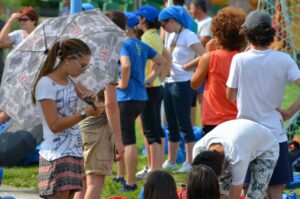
(151, 115)
(283, 172)
(207, 128)
(129, 111)
(60, 175)
(194, 102)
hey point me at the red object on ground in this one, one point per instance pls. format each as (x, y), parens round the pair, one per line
(117, 197)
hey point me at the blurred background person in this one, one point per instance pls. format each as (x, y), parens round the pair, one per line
(28, 19)
(184, 46)
(151, 119)
(65, 10)
(132, 94)
(214, 67)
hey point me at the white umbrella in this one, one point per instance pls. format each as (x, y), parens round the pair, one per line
(93, 27)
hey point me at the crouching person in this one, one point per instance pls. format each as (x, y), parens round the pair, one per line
(242, 143)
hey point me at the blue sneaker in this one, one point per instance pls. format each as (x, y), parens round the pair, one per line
(128, 188)
(119, 180)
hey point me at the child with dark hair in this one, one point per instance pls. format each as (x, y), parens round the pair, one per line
(202, 183)
(205, 158)
(236, 141)
(256, 81)
(151, 119)
(132, 94)
(214, 163)
(160, 184)
(54, 93)
(213, 68)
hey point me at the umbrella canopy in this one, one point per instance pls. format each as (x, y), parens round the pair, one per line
(22, 65)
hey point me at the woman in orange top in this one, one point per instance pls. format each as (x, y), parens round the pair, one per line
(213, 67)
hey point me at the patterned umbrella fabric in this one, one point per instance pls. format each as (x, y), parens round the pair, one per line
(102, 36)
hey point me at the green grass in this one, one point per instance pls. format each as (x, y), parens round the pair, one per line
(27, 176)
(20, 176)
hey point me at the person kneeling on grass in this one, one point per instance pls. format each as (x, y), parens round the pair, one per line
(242, 143)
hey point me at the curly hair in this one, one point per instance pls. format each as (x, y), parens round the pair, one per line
(226, 26)
(261, 35)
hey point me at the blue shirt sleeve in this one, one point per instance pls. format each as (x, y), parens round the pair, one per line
(124, 50)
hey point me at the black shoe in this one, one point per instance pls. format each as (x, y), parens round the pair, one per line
(119, 180)
(127, 188)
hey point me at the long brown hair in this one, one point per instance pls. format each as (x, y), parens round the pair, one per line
(202, 183)
(70, 47)
(160, 184)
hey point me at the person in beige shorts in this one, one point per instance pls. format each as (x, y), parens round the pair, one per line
(102, 135)
(98, 144)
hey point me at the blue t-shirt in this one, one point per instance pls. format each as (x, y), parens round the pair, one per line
(138, 53)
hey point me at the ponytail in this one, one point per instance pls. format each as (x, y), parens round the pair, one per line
(59, 51)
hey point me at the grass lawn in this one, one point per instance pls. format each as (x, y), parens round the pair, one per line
(27, 176)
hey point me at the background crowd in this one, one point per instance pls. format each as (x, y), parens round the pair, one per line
(177, 57)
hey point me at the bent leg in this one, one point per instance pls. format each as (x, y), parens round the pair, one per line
(261, 172)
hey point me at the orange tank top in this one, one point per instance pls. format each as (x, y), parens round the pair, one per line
(216, 108)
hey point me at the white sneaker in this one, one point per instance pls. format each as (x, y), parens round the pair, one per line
(167, 165)
(185, 168)
(140, 175)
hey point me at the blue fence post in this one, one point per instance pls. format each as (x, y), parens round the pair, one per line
(75, 6)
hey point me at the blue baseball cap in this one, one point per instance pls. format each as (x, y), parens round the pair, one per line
(87, 6)
(150, 13)
(132, 19)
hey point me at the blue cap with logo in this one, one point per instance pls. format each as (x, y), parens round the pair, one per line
(132, 19)
(150, 13)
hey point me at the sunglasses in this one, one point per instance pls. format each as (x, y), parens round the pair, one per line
(83, 66)
(164, 22)
(23, 19)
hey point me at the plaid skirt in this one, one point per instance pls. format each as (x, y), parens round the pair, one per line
(60, 175)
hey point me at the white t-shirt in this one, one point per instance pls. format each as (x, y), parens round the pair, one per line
(204, 27)
(181, 55)
(260, 78)
(243, 141)
(67, 142)
(16, 37)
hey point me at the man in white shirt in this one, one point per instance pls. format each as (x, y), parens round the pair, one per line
(257, 80)
(242, 143)
(198, 9)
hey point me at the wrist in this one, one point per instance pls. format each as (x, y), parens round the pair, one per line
(148, 81)
(83, 114)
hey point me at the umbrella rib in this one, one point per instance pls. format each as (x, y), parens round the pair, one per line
(45, 40)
